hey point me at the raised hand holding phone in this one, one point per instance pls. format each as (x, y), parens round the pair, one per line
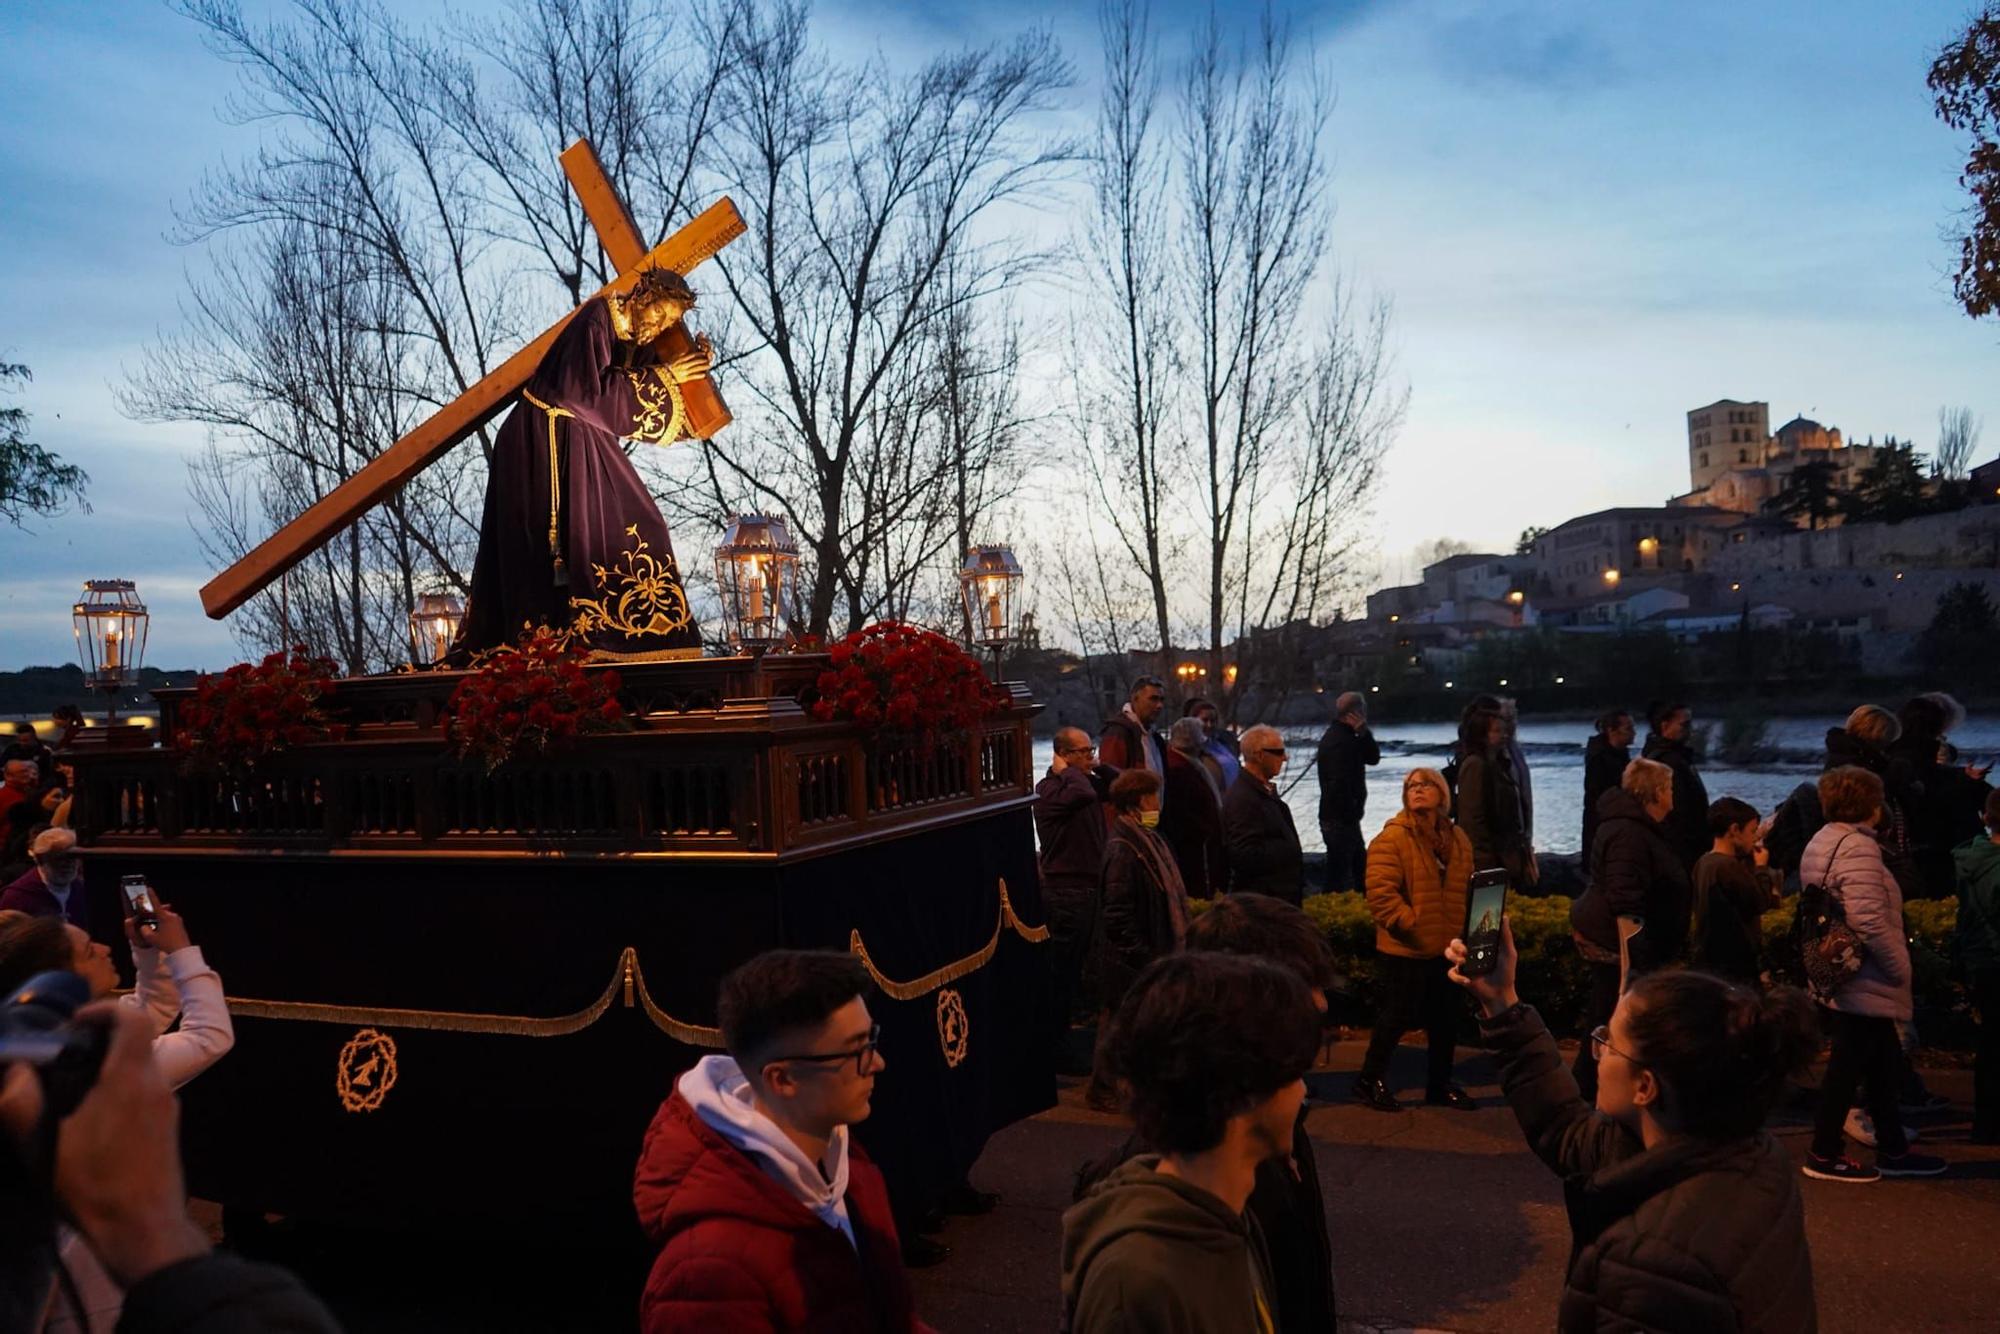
(1494, 990)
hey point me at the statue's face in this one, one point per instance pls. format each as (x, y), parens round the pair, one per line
(652, 318)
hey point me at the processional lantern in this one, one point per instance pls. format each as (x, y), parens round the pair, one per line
(988, 581)
(433, 625)
(756, 567)
(110, 623)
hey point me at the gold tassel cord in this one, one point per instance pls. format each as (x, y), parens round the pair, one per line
(555, 473)
(626, 976)
(951, 972)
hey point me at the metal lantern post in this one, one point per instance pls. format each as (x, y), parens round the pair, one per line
(756, 568)
(988, 581)
(434, 623)
(110, 624)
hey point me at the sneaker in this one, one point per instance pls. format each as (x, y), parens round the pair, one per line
(1838, 1169)
(1909, 1165)
(1860, 1128)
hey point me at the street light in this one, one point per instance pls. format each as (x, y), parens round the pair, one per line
(110, 624)
(434, 623)
(1611, 578)
(755, 567)
(988, 581)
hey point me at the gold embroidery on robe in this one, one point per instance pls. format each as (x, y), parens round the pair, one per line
(662, 411)
(642, 596)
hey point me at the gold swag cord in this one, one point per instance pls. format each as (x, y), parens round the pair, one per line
(625, 975)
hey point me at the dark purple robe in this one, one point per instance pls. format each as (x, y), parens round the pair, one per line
(571, 538)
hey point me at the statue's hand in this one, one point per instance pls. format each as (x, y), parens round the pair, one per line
(693, 363)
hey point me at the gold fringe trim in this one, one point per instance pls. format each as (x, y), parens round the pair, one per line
(951, 972)
(626, 977)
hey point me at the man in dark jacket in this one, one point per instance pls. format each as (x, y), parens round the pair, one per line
(1639, 900)
(1191, 812)
(1345, 753)
(1686, 827)
(1070, 826)
(1212, 1049)
(767, 1215)
(1129, 740)
(1605, 756)
(1257, 827)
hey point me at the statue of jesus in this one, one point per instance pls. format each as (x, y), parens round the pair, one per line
(570, 538)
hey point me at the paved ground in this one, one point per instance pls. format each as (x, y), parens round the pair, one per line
(1440, 1220)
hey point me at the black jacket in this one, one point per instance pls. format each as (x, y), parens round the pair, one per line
(1687, 823)
(1263, 843)
(1491, 814)
(220, 1294)
(1137, 925)
(1691, 1235)
(1344, 756)
(1070, 825)
(1634, 872)
(1603, 769)
(1191, 823)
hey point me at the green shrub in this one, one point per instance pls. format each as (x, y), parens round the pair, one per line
(1555, 978)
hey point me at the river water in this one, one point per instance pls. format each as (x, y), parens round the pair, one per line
(1555, 759)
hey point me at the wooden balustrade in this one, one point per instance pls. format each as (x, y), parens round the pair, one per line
(725, 762)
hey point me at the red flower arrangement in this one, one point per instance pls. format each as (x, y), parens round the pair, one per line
(251, 713)
(531, 698)
(898, 678)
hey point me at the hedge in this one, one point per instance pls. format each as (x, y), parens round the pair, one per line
(1556, 980)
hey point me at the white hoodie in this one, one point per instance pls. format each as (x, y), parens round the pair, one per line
(720, 1096)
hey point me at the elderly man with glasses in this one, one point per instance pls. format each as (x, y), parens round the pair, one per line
(53, 886)
(1257, 827)
(1071, 827)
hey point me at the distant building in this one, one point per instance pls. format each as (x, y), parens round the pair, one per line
(1726, 434)
(1593, 555)
(1736, 464)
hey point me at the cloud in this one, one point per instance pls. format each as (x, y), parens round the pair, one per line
(1511, 48)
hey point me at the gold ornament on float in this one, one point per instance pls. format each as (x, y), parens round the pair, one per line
(366, 1071)
(954, 1027)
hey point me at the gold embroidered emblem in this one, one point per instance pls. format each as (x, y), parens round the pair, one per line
(661, 409)
(367, 1070)
(954, 1027)
(641, 596)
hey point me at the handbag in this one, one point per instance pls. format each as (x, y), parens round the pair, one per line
(1829, 949)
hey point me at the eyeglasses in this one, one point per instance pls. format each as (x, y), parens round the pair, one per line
(1077, 750)
(1600, 1042)
(859, 1055)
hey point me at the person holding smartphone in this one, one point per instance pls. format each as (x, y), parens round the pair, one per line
(1418, 870)
(1684, 1211)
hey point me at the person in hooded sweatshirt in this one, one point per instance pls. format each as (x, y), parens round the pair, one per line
(1211, 1050)
(768, 1216)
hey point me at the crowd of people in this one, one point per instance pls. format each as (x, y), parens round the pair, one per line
(1173, 879)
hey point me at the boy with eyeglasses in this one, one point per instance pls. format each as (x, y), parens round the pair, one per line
(767, 1214)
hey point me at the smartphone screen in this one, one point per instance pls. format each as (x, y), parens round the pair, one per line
(1485, 901)
(139, 898)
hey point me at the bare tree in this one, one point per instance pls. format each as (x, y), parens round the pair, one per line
(1124, 361)
(1236, 393)
(1958, 438)
(867, 190)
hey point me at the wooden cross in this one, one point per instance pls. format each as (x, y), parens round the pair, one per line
(715, 227)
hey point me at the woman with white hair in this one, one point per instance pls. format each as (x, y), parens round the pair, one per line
(1635, 915)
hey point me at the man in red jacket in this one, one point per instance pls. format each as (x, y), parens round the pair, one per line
(768, 1216)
